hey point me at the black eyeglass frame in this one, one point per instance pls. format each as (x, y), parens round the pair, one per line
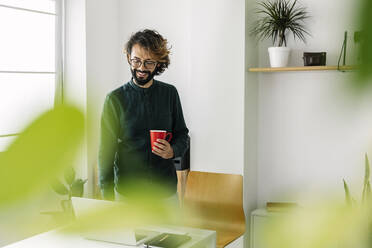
(145, 63)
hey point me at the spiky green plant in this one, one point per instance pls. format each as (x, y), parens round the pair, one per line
(348, 198)
(366, 194)
(278, 18)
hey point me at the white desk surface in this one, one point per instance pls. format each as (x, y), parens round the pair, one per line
(57, 239)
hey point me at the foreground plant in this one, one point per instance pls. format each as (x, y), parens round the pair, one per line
(40, 153)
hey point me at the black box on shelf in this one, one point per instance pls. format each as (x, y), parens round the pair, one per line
(314, 59)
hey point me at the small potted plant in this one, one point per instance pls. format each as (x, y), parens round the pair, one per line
(71, 187)
(277, 19)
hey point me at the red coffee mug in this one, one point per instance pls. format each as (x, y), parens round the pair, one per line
(159, 134)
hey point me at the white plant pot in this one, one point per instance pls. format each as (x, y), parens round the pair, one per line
(279, 56)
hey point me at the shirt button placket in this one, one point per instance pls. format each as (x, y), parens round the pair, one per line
(147, 120)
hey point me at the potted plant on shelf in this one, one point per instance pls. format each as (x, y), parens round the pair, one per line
(278, 19)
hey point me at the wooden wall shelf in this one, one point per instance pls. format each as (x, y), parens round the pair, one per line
(303, 68)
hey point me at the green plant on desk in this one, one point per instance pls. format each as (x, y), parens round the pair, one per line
(75, 187)
(71, 187)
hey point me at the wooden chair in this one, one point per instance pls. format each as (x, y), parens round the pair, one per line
(214, 201)
(181, 185)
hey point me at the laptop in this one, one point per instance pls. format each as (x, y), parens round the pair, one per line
(119, 235)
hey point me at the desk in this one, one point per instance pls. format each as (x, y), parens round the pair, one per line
(57, 239)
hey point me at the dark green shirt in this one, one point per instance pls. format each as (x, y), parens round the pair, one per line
(125, 158)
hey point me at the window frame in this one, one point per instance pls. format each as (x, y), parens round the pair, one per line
(59, 53)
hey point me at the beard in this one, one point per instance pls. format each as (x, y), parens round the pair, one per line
(142, 80)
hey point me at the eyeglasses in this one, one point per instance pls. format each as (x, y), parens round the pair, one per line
(148, 64)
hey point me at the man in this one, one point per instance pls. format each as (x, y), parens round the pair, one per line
(126, 161)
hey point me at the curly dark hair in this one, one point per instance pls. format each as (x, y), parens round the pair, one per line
(152, 41)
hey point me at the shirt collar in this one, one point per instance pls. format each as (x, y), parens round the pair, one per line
(136, 87)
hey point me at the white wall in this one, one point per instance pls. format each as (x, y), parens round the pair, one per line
(75, 74)
(102, 56)
(75, 53)
(217, 85)
(312, 131)
(250, 120)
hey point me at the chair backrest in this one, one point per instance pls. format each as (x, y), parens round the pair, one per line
(181, 185)
(215, 201)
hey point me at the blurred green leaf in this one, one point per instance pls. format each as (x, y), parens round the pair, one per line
(365, 16)
(366, 184)
(40, 153)
(348, 199)
(59, 188)
(143, 209)
(328, 225)
(77, 188)
(69, 175)
(368, 192)
(132, 214)
(367, 169)
(358, 36)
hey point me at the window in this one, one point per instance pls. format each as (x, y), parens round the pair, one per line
(30, 62)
